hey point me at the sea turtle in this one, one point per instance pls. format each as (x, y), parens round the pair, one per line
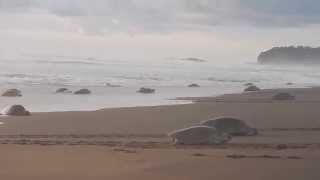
(144, 90)
(197, 135)
(12, 93)
(63, 90)
(193, 85)
(251, 89)
(249, 84)
(82, 91)
(283, 96)
(232, 126)
(15, 110)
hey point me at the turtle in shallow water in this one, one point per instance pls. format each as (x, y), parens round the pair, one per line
(249, 84)
(197, 135)
(144, 90)
(82, 91)
(252, 88)
(232, 126)
(193, 85)
(63, 90)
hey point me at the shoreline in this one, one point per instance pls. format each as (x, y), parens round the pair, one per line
(198, 109)
(184, 100)
(42, 98)
(131, 143)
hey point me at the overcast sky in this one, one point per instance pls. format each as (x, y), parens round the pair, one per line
(217, 30)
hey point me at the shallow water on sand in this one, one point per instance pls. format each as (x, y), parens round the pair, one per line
(38, 98)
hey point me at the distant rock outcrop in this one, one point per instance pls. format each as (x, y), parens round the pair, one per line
(197, 135)
(16, 110)
(12, 93)
(290, 55)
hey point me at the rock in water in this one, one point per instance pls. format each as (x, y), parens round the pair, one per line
(252, 89)
(12, 93)
(283, 97)
(144, 90)
(198, 135)
(63, 90)
(232, 126)
(16, 110)
(194, 85)
(82, 91)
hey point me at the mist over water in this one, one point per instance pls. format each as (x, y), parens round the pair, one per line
(39, 76)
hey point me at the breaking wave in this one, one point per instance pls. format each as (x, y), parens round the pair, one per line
(232, 80)
(70, 62)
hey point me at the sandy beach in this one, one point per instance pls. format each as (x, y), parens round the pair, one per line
(131, 143)
(159, 90)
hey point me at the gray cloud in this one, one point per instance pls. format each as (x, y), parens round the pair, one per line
(16, 6)
(101, 16)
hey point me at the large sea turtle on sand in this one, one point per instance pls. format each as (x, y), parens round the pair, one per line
(232, 126)
(15, 110)
(199, 135)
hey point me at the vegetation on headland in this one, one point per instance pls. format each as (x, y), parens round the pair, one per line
(291, 54)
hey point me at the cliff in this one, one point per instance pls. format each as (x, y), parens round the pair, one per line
(290, 55)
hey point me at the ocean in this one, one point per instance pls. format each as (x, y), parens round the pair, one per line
(39, 76)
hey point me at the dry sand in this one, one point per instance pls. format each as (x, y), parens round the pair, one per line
(131, 143)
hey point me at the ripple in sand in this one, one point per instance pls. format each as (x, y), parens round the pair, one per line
(1, 123)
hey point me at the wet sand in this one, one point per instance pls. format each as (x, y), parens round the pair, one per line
(131, 143)
(96, 162)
